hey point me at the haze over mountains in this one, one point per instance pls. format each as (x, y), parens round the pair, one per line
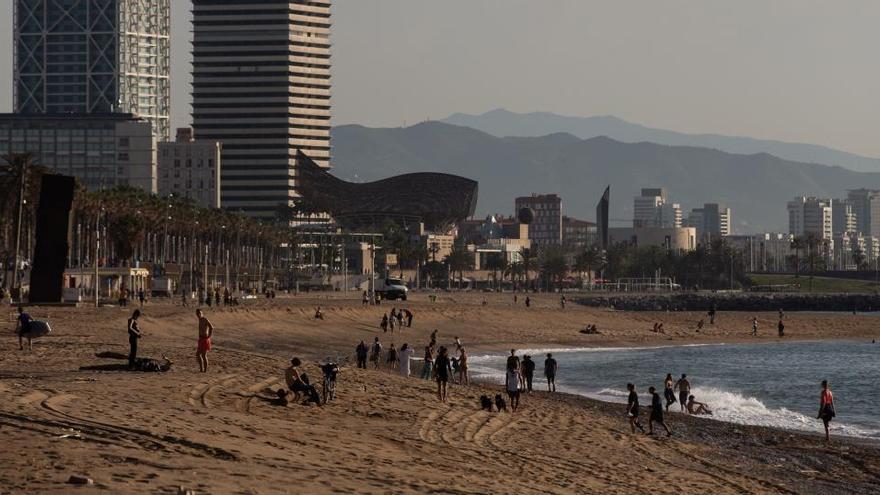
(503, 123)
(756, 186)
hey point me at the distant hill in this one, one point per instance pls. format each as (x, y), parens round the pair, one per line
(756, 187)
(503, 123)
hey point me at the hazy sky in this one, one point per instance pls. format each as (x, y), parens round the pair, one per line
(795, 70)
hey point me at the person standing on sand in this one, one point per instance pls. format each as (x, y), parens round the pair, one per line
(512, 380)
(392, 357)
(826, 408)
(562, 302)
(656, 413)
(375, 352)
(528, 302)
(400, 321)
(632, 408)
(406, 353)
(463, 366)
(711, 315)
(428, 362)
(755, 326)
(361, 352)
(781, 328)
(668, 392)
(384, 324)
(365, 299)
(134, 333)
(528, 371)
(442, 372)
(206, 331)
(550, 369)
(684, 390)
(409, 318)
(142, 297)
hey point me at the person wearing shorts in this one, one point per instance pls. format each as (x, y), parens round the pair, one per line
(632, 408)
(206, 331)
(512, 385)
(684, 390)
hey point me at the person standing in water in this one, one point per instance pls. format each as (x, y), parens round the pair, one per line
(826, 408)
(134, 333)
(550, 369)
(206, 331)
(657, 412)
(684, 390)
(668, 392)
(632, 408)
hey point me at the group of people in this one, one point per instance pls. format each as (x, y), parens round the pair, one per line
(519, 376)
(397, 317)
(658, 328)
(203, 345)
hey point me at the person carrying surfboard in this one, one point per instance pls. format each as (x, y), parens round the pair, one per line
(24, 328)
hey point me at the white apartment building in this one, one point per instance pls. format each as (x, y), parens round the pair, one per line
(810, 215)
(261, 86)
(190, 169)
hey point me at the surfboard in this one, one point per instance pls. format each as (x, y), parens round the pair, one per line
(39, 329)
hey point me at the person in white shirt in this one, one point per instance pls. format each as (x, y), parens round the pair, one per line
(405, 354)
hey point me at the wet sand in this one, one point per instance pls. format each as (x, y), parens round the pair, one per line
(221, 432)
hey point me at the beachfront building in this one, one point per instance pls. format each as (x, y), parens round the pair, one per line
(843, 217)
(670, 239)
(190, 169)
(261, 86)
(866, 208)
(546, 225)
(101, 151)
(651, 209)
(94, 57)
(711, 222)
(578, 235)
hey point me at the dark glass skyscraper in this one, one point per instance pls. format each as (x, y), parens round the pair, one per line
(94, 57)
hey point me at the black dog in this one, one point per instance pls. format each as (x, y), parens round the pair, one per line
(500, 404)
(486, 403)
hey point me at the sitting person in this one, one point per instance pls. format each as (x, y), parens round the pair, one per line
(697, 408)
(296, 382)
(319, 315)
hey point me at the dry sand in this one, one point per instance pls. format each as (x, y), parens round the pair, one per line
(221, 432)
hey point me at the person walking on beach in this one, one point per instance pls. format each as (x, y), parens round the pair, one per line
(375, 352)
(550, 369)
(134, 333)
(384, 324)
(683, 386)
(562, 302)
(512, 380)
(656, 412)
(668, 392)
(528, 302)
(781, 328)
(142, 297)
(826, 408)
(365, 299)
(24, 329)
(755, 326)
(361, 352)
(442, 372)
(463, 377)
(711, 315)
(409, 318)
(400, 320)
(632, 408)
(428, 362)
(406, 354)
(528, 370)
(206, 331)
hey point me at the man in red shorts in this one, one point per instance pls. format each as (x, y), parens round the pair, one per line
(206, 331)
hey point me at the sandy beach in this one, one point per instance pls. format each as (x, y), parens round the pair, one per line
(64, 411)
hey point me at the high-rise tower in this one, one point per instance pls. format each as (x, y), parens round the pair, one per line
(261, 86)
(94, 57)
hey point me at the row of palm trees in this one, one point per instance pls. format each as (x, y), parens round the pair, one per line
(127, 227)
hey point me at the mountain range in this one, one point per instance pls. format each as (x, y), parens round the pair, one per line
(756, 186)
(503, 123)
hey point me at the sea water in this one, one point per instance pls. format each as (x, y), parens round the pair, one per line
(770, 384)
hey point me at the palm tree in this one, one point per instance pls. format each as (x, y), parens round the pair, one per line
(587, 261)
(496, 263)
(527, 258)
(797, 243)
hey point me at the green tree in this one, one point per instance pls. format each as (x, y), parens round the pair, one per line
(459, 260)
(496, 263)
(554, 268)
